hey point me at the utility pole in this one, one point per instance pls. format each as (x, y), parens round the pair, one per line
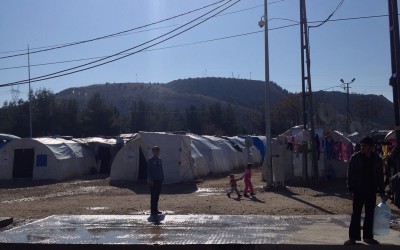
(29, 95)
(395, 61)
(267, 163)
(346, 86)
(308, 112)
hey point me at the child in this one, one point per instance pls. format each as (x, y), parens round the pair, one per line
(233, 186)
(247, 181)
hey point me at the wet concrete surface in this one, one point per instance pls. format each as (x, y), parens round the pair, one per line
(184, 232)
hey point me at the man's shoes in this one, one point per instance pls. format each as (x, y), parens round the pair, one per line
(252, 194)
(246, 195)
(371, 241)
(229, 195)
(350, 242)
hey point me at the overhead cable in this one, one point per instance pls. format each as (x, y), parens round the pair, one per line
(126, 32)
(205, 41)
(111, 35)
(327, 19)
(58, 74)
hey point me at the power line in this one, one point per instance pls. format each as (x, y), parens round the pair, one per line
(57, 74)
(111, 35)
(127, 32)
(327, 19)
(205, 41)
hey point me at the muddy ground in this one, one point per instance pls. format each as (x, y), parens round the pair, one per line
(26, 201)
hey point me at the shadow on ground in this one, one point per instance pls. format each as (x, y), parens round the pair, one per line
(141, 187)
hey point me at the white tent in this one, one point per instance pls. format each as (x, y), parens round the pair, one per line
(185, 156)
(44, 159)
(103, 149)
(287, 152)
(5, 138)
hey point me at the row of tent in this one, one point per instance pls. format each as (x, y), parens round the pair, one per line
(185, 156)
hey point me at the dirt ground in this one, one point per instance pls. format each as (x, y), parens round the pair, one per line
(26, 201)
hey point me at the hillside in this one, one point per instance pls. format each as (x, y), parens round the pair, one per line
(244, 96)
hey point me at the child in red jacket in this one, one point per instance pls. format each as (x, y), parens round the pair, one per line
(248, 187)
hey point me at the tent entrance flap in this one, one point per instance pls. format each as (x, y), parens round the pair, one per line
(23, 163)
(142, 166)
(104, 156)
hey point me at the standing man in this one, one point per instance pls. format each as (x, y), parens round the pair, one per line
(364, 180)
(155, 177)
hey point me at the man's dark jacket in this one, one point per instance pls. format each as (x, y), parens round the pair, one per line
(354, 174)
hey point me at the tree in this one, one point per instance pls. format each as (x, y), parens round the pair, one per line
(193, 119)
(15, 118)
(66, 117)
(366, 110)
(229, 122)
(97, 117)
(140, 116)
(286, 114)
(43, 107)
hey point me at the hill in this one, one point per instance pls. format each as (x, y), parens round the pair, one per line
(243, 95)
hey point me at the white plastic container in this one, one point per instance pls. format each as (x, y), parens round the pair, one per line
(382, 216)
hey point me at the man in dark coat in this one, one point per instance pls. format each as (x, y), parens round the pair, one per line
(364, 180)
(155, 177)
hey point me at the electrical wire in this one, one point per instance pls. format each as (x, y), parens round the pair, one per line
(327, 19)
(205, 41)
(119, 53)
(57, 74)
(126, 32)
(48, 48)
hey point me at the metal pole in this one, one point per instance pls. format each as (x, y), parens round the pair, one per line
(29, 95)
(347, 111)
(309, 96)
(395, 62)
(346, 87)
(303, 22)
(267, 164)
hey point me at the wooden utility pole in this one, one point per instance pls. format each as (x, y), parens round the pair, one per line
(308, 113)
(395, 59)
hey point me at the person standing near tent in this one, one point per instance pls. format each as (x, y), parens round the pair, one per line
(248, 187)
(364, 180)
(155, 177)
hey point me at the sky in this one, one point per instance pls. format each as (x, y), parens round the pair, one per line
(165, 47)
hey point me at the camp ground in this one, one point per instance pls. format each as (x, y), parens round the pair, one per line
(185, 156)
(44, 159)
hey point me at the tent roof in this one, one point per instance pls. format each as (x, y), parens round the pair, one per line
(98, 140)
(8, 137)
(61, 148)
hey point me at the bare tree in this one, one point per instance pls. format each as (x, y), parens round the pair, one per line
(366, 110)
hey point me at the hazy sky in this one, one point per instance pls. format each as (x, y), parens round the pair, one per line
(228, 45)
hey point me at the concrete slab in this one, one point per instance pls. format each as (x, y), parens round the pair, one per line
(184, 231)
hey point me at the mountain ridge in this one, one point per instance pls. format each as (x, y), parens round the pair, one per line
(242, 94)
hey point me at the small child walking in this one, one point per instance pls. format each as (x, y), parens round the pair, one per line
(233, 185)
(248, 187)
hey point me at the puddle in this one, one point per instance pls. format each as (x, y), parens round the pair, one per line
(96, 208)
(209, 191)
(147, 212)
(81, 190)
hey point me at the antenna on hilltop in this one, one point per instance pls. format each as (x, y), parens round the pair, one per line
(14, 94)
